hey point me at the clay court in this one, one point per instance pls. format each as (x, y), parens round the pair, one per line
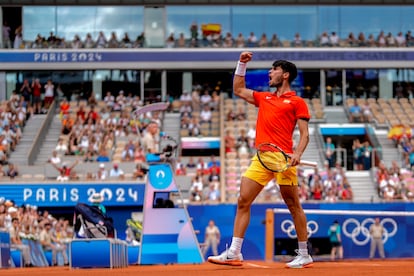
(344, 268)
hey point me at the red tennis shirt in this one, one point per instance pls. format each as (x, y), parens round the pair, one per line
(277, 117)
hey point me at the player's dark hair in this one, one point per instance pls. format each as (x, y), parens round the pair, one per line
(287, 66)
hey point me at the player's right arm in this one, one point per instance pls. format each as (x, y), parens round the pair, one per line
(239, 80)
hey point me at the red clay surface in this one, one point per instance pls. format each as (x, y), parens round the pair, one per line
(250, 268)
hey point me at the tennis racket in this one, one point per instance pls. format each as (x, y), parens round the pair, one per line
(275, 159)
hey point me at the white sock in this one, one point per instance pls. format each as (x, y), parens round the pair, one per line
(303, 248)
(236, 245)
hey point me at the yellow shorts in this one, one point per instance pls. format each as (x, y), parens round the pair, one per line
(261, 175)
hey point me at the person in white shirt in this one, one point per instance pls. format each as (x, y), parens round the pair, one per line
(185, 97)
(49, 93)
(334, 39)
(206, 98)
(400, 40)
(55, 159)
(101, 174)
(211, 238)
(205, 114)
(109, 99)
(116, 172)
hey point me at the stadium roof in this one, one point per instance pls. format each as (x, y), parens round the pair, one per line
(203, 2)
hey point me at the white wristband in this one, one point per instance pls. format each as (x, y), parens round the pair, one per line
(240, 69)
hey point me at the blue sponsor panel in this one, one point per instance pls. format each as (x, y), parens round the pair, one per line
(98, 253)
(197, 55)
(68, 194)
(398, 242)
(4, 249)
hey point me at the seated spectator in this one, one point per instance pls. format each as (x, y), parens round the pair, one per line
(67, 125)
(185, 120)
(103, 155)
(355, 112)
(139, 172)
(194, 128)
(116, 172)
(128, 151)
(55, 159)
(102, 173)
(263, 42)
(205, 98)
(240, 41)
(186, 108)
(181, 169)
(229, 141)
(139, 155)
(196, 189)
(241, 114)
(49, 242)
(185, 98)
(324, 40)
(231, 115)
(351, 40)
(92, 115)
(62, 147)
(213, 193)
(242, 144)
(12, 171)
(205, 114)
(213, 162)
(16, 242)
(297, 41)
(202, 167)
(64, 107)
(334, 39)
(191, 164)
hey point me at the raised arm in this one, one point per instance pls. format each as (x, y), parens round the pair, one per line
(239, 81)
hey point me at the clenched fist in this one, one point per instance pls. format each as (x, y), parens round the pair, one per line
(246, 56)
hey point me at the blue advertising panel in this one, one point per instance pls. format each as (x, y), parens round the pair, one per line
(68, 194)
(4, 249)
(398, 240)
(194, 55)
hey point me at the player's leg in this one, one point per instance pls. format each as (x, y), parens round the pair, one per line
(290, 195)
(249, 189)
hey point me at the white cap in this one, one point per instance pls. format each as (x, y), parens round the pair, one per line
(102, 165)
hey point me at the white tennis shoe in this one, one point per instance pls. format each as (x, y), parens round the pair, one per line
(226, 259)
(300, 261)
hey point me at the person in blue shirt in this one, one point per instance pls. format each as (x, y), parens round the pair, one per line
(355, 112)
(334, 233)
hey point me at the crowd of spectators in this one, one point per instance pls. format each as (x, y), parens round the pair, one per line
(395, 182)
(106, 131)
(210, 39)
(198, 110)
(28, 223)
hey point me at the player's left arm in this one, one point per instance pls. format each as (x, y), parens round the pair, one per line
(303, 126)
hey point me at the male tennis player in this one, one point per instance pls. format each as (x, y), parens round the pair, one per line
(279, 112)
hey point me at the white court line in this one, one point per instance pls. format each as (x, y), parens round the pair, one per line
(256, 265)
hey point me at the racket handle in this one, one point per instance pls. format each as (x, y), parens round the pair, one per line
(308, 163)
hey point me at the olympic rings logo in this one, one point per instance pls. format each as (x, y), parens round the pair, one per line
(288, 227)
(360, 231)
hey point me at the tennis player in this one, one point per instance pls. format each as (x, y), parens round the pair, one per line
(279, 112)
